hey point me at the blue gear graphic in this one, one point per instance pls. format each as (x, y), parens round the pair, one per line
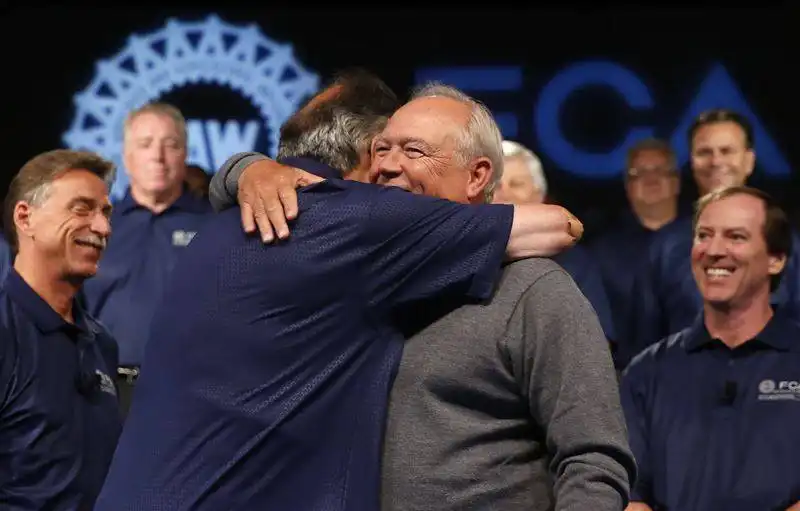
(183, 53)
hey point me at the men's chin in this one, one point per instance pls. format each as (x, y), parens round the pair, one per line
(83, 270)
(720, 184)
(717, 298)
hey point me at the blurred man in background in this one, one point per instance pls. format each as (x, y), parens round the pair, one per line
(652, 186)
(153, 224)
(524, 182)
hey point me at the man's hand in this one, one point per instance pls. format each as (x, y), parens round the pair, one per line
(638, 506)
(268, 197)
(542, 230)
(574, 226)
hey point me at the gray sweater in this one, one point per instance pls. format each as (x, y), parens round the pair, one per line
(509, 406)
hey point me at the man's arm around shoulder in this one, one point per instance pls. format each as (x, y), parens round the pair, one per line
(416, 247)
(268, 199)
(224, 184)
(564, 368)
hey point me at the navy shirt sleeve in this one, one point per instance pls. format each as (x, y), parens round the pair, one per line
(418, 247)
(634, 396)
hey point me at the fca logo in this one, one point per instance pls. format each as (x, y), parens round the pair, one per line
(717, 90)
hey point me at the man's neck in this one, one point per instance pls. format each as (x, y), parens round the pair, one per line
(735, 326)
(156, 203)
(656, 216)
(54, 289)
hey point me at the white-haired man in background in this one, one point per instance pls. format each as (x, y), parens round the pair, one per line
(524, 182)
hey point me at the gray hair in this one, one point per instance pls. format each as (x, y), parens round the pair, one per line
(336, 127)
(337, 142)
(34, 181)
(532, 163)
(481, 136)
(161, 109)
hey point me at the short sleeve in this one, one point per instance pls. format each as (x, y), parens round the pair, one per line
(418, 247)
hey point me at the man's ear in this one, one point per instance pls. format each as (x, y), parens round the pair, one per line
(23, 219)
(776, 264)
(480, 175)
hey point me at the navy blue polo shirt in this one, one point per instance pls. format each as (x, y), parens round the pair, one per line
(714, 428)
(584, 270)
(667, 298)
(266, 380)
(141, 253)
(620, 252)
(59, 418)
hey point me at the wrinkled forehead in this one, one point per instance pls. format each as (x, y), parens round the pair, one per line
(433, 119)
(79, 183)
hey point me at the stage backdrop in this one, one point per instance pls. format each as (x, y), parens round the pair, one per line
(578, 86)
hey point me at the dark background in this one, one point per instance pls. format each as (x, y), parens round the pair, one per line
(49, 55)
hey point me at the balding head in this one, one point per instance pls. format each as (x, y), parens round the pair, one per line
(441, 143)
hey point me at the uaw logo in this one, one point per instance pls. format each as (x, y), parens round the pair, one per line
(192, 54)
(771, 390)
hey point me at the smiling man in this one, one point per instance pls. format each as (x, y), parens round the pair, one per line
(484, 412)
(274, 396)
(713, 411)
(722, 153)
(59, 418)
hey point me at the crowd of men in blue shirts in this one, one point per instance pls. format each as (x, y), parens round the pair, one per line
(698, 313)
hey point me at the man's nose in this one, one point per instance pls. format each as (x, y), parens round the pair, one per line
(101, 225)
(157, 152)
(716, 246)
(388, 168)
(387, 174)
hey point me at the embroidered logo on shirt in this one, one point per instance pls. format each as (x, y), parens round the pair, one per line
(770, 390)
(106, 383)
(182, 238)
